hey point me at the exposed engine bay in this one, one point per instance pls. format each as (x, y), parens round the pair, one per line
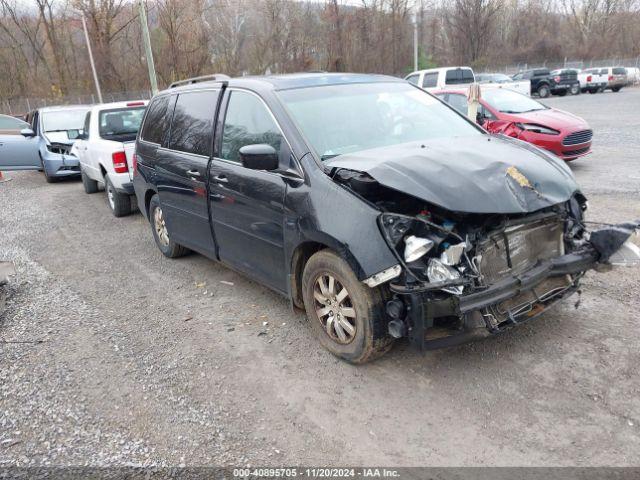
(463, 271)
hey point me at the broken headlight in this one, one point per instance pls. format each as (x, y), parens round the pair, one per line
(416, 247)
(439, 272)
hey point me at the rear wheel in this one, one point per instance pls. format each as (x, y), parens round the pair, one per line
(90, 186)
(575, 90)
(593, 90)
(616, 89)
(168, 247)
(119, 203)
(346, 315)
(543, 91)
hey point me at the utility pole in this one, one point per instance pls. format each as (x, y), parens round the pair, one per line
(415, 41)
(93, 65)
(146, 40)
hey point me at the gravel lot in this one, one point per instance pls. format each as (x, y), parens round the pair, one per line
(112, 354)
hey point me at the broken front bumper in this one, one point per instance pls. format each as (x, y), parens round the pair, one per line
(472, 308)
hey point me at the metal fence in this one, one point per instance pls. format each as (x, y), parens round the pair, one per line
(581, 64)
(21, 106)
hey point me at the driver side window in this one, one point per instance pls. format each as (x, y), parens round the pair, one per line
(247, 122)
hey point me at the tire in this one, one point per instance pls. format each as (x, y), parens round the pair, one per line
(90, 186)
(362, 309)
(593, 90)
(543, 91)
(616, 89)
(168, 247)
(119, 203)
(575, 90)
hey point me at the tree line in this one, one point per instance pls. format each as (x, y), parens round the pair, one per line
(43, 51)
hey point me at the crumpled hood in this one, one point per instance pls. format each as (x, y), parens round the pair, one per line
(59, 137)
(474, 174)
(553, 118)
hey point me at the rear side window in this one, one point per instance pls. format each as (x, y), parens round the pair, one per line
(156, 122)
(192, 124)
(413, 79)
(430, 80)
(604, 71)
(247, 122)
(619, 71)
(458, 76)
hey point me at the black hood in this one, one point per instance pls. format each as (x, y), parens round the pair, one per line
(474, 174)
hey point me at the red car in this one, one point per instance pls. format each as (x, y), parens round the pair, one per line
(516, 115)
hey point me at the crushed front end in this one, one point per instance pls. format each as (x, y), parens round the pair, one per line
(477, 275)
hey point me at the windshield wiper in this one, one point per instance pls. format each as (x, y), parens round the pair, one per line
(60, 130)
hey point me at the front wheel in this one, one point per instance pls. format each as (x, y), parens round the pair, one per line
(346, 315)
(90, 185)
(575, 90)
(168, 247)
(543, 91)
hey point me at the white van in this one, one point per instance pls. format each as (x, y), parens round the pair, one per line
(438, 78)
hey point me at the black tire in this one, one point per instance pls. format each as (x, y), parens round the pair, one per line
(575, 90)
(593, 90)
(119, 203)
(616, 89)
(169, 249)
(370, 339)
(543, 91)
(90, 186)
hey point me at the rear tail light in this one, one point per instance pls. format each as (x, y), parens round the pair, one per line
(589, 78)
(134, 163)
(557, 79)
(610, 77)
(119, 162)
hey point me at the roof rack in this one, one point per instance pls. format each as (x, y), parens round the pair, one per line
(215, 77)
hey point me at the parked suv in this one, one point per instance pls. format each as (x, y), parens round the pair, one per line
(370, 203)
(616, 78)
(541, 80)
(105, 150)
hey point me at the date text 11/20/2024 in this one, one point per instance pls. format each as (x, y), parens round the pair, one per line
(315, 473)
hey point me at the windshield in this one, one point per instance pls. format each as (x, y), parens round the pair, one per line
(63, 120)
(339, 119)
(507, 101)
(120, 122)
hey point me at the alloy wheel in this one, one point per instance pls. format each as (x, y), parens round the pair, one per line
(161, 227)
(110, 196)
(334, 309)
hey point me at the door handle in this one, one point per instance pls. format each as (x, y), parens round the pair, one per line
(193, 173)
(221, 179)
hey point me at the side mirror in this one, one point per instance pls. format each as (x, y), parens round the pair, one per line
(480, 118)
(259, 157)
(27, 132)
(73, 134)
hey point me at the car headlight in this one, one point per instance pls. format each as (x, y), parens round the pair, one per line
(532, 127)
(416, 247)
(439, 272)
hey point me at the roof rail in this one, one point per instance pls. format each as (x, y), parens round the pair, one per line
(215, 77)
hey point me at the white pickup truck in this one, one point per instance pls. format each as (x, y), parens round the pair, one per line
(593, 80)
(105, 149)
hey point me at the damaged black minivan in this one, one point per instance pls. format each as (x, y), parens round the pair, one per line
(369, 203)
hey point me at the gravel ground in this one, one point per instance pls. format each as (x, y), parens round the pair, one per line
(112, 354)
